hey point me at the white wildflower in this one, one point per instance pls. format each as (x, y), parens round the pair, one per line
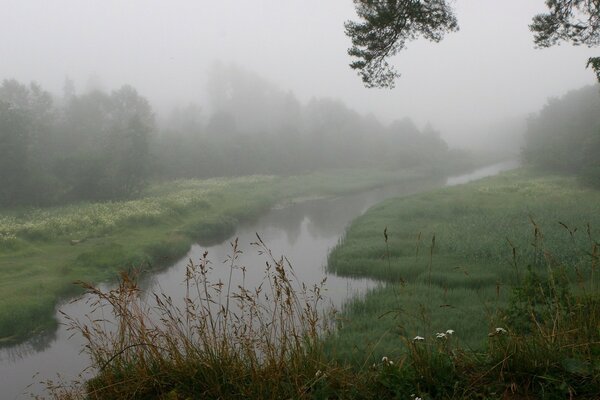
(441, 335)
(500, 330)
(450, 331)
(418, 339)
(385, 360)
(318, 373)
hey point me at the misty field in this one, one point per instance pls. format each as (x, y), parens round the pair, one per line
(448, 261)
(43, 251)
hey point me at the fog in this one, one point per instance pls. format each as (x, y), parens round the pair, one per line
(487, 74)
(137, 135)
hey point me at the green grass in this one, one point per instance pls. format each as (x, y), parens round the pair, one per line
(39, 263)
(516, 320)
(451, 258)
(448, 259)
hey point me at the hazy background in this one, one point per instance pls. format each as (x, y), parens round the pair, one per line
(476, 82)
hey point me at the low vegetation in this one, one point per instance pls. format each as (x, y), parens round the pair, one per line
(516, 317)
(43, 251)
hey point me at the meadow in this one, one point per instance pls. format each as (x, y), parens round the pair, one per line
(489, 291)
(43, 251)
(450, 258)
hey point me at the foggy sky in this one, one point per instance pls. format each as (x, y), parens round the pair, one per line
(485, 73)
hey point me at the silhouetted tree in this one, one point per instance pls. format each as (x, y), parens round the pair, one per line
(386, 25)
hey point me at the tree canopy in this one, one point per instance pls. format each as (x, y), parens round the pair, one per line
(386, 26)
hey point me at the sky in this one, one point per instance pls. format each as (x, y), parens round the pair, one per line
(486, 73)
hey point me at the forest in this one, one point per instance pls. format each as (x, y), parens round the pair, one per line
(565, 136)
(101, 145)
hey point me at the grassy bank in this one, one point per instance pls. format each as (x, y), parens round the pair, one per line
(489, 290)
(516, 317)
(43, 251)
(448, 257)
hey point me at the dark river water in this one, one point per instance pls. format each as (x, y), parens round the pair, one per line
(304, 232)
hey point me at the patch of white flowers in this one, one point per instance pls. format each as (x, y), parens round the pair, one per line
(387, 361)
(444, 335)
(90, 218)
(439, 335)
(7, 237)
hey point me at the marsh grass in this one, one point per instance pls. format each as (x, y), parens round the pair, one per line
(274, 341)
(450, 323)
(43, 251)
(485, 236)
(536, 279)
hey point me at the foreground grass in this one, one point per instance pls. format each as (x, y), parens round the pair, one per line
(43, 251)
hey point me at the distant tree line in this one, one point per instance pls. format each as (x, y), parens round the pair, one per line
(92, 146)
(565, 135)
(101, 146)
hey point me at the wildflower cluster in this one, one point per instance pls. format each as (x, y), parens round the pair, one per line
(99, 218)
(439, 335)
(6, 237)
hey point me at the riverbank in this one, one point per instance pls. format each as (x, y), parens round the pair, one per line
(42, 252)
(446, 258)
(538, 338)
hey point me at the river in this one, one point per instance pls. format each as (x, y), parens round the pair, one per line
(304, 232)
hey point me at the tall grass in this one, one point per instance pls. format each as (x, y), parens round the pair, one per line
(217, 341)
(273, 341)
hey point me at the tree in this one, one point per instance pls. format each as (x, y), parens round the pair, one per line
(14, 154)
(130, 123)
(27, 118)
(387, 25)
(565, 135)
(106, 140)
(574, 21)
